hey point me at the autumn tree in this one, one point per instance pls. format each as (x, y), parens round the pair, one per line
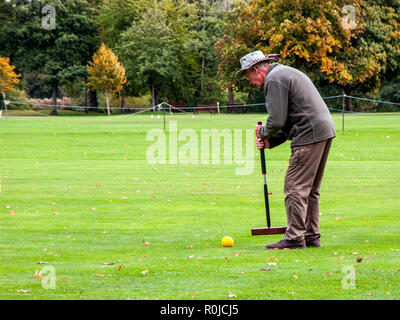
(106, 73)
(8, 78)
(316, 37)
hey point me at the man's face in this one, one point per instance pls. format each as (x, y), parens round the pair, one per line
(256, 76)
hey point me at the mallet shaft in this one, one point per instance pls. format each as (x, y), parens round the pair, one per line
(264, 172)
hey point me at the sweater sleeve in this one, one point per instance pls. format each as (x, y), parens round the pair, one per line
(276, 98)
(277, 139)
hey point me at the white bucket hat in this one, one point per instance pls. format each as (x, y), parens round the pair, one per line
(254, 57)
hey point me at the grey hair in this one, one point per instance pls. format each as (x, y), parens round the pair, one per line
(262, 64)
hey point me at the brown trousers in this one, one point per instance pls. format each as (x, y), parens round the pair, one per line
(302, 183)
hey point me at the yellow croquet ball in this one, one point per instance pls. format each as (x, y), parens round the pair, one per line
(227, 241)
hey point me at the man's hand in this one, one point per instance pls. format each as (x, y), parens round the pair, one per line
(260, 143)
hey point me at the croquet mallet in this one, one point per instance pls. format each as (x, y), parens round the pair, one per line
(268, 230)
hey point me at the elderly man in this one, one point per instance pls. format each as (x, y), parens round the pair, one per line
(296, 112)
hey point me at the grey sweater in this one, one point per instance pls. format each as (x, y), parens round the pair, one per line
(296, 110)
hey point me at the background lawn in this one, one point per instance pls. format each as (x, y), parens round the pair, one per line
(78, 192)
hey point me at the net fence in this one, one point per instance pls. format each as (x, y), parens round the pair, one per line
(336, 104)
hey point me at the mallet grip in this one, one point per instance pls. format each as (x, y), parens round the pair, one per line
(263, 167)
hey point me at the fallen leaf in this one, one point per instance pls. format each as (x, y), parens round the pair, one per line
(329, 274)
(359, 259)
(124, 198)
(13, 213)
(199, 258)
(120, 267)
(189, 247)
(99, 275)
(108, 263)
(56, 213)
(339, 218)
(266, 269)
(203, 183)
(295, 276)
(154, 196)
(37, 274)
(146, 243)
(23, 291)
(240, 272)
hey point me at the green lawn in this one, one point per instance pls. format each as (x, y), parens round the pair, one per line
(77, 192)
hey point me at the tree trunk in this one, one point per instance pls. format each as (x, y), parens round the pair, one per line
(202, 73)
(108, 105)
(86, 100)
(231, 97)
(54, 95)
(3, 102)
(156, 95)
(153, 98)
(348, 103)
(123, 99)
(86, 108)
(93, 103)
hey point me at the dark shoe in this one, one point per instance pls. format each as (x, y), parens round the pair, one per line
(316, 243)
(287, 244)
